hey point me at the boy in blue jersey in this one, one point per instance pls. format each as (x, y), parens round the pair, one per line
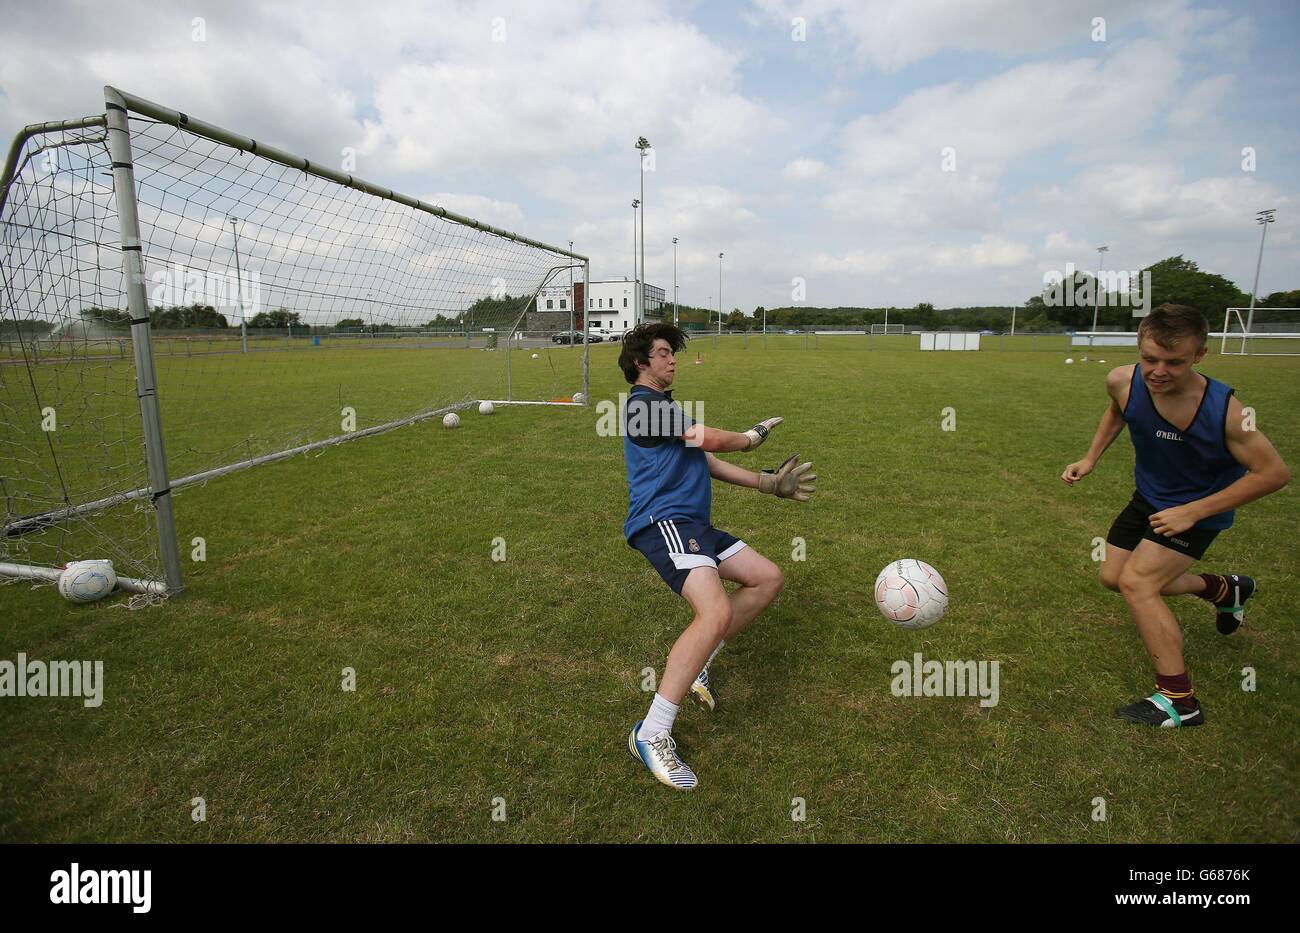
(670, 467)
(1198, 459)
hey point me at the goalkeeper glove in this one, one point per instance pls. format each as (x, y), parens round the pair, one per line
(758, 433)
(790, 481)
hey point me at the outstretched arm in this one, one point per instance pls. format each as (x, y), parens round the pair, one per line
(1112, 423)
(729, 472)
(711, 439)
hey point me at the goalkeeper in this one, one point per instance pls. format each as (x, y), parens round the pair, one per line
(670, 464)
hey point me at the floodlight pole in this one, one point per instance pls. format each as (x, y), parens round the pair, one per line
(570, 337)
(239, 287)
(636, 203)
(642, 145)
(1096, 289)
(674, 281)
(1263, 218)
(719, 293)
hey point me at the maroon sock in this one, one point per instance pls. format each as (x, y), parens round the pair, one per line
(1177, 688)
(1216, 587)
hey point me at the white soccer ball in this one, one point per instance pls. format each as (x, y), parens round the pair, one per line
(485, 408)
(451, 420)
(911, 594)
(579, 398)
(1069, 360)
(536, 356)
(84, 581)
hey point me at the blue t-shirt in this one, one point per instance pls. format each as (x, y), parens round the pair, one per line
(666, 478)
(1174, 466)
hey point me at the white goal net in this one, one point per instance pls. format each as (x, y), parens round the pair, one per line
(178, 301)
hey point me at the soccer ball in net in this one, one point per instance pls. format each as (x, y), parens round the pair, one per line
(911, 594)
(486, 408)
(84, 581)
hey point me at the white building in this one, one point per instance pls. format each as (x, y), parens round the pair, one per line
(610, 303)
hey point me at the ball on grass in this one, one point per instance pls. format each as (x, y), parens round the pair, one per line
(486, 408)
(579, 398)
(451, 420)
(84, 581)
(1069, 360)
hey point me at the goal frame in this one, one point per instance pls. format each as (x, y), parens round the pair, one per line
(119, 107)
(1246, 333)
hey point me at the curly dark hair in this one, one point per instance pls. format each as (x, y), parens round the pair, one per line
(1171, 322)
(638, 341)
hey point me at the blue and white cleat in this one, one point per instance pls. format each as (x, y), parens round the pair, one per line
(659, 755)
(1232, 610)
(701, 693)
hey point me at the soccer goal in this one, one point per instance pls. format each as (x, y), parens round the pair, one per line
(887, 328)
(1260, 332)
(149, 265)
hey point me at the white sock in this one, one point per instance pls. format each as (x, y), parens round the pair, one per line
(659, 719)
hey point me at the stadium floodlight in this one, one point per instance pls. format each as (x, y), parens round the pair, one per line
(1096, 285)
(641, 145)
(121, 380)
(1263, 218)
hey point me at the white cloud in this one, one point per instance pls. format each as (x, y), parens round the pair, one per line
(889, 35)
(803, 169)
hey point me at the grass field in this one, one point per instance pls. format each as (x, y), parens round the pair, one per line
(520, 679)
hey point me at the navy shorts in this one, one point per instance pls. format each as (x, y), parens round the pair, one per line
(676, 547)
(1134, 525)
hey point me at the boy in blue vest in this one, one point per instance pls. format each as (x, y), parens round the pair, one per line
(1198, 458)
(670, 467)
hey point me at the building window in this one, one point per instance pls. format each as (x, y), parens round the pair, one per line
(550, 303)
(564, 303)
(591, 302)
(625, 302)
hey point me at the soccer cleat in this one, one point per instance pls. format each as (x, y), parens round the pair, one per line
(1232, 610)
(659, 755)
(701, 693)
(1157, 710)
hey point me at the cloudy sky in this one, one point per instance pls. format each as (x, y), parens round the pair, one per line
(882, 152)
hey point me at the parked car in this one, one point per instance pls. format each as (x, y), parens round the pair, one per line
(567, 336)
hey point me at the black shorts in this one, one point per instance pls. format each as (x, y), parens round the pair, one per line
(1134, 525)
(676, 547)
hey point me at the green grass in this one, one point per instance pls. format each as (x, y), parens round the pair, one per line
(520, 680)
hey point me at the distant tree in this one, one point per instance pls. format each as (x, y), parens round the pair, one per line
(1289, 299)
(281, 317)
(187, 318)
(349, 323)
(1181, 281)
